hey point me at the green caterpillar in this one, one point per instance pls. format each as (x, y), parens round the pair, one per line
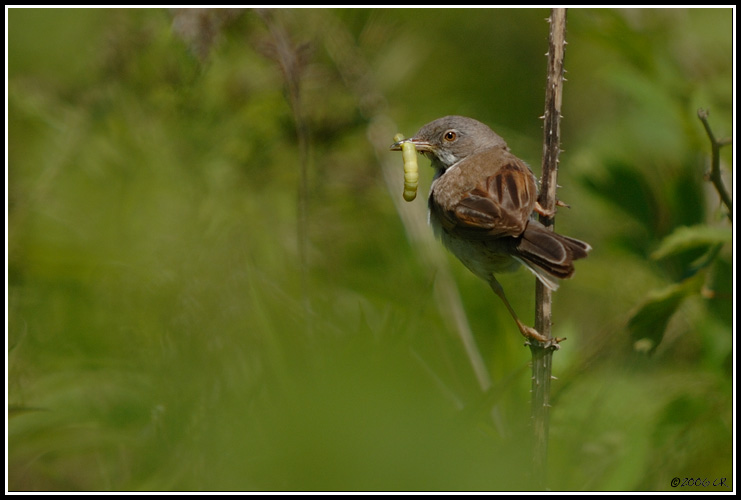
(411, 169)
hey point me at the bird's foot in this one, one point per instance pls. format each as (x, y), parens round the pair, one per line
(548, 214)
(531, 334)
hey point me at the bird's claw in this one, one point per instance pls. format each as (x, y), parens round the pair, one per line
(549, 214)
(531, 334)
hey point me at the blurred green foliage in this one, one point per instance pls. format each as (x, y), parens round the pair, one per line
(158, 338)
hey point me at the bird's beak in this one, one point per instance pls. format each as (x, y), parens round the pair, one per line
(420, 145)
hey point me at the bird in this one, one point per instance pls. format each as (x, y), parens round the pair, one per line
(482, 205)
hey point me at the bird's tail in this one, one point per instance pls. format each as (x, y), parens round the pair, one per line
(549, 255)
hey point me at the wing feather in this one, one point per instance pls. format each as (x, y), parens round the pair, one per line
(499, 205)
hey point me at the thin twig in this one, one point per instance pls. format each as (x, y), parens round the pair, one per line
(291, 59)
(541, 354)
(714, 174)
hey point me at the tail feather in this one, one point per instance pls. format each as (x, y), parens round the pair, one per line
(549, 255)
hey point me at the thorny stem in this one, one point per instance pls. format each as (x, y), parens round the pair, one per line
(542, 353)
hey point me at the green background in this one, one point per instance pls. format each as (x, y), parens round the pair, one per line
(168, 330)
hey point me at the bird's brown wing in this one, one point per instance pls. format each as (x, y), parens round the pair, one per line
(499, 205)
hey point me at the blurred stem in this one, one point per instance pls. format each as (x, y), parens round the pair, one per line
(541, 353)
(358, 75)
(290, 59)
(714, 174)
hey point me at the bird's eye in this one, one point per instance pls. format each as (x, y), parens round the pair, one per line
(450, 136)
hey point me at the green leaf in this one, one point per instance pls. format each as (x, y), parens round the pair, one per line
(648, 323)
(691, 237)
